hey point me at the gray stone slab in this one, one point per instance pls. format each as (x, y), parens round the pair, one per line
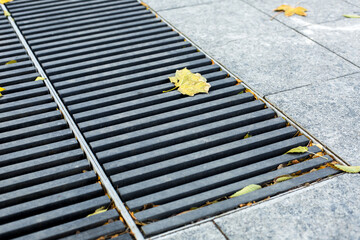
(159, 5)
(353, 2)
(205, 231)
(217, 23)
(319, 11)
(328, 210)
(267, 55)
(330, 111)
(342, 37)
(276, 63)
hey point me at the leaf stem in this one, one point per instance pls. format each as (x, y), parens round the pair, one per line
(277, 14)
(319, 156)
(170, 90)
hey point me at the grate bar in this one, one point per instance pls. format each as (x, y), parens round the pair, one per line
(23, 226)
(81, 225)
(48, 203)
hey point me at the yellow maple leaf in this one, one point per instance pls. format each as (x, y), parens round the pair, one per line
(5, 1)
(289, 10)
(189, 83)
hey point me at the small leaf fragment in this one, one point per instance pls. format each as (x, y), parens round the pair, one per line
(283, 178)
(319, 146)
(189, 83)
(5, 1)
(238, 81)
(348, 169)
(6, 13)
(11, 62)
(247, 136)
(97, 211)
(245, 190)
(289, 10)
(351, 16)
(299, 149)
(39, 78)
(1, 89)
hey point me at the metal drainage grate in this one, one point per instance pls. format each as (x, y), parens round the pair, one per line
(159, 148)
(46, 185)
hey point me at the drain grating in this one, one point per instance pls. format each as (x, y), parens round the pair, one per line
(46, 185)
(164, 152)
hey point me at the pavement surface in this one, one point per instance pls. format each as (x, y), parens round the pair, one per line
(309, 68)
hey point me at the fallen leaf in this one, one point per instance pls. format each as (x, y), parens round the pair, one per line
(348, 169)
(1, 89)
(6, 13)
(11, 62)
(280, 166)
(322, 167)
(247, 136)
(5, 1)
(352, 16)
(299, 149)
(283, 178)
(97, 211)
(188, 83)
(39, 78)
(245, 190)
(289, 10)
(140, 223)
(295, 161)
(115, 236)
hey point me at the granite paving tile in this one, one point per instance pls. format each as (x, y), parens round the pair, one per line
(342, 37)
(353, 2)
(219, 22)
(328, 110)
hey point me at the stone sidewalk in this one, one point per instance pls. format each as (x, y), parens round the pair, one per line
(309, 67)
